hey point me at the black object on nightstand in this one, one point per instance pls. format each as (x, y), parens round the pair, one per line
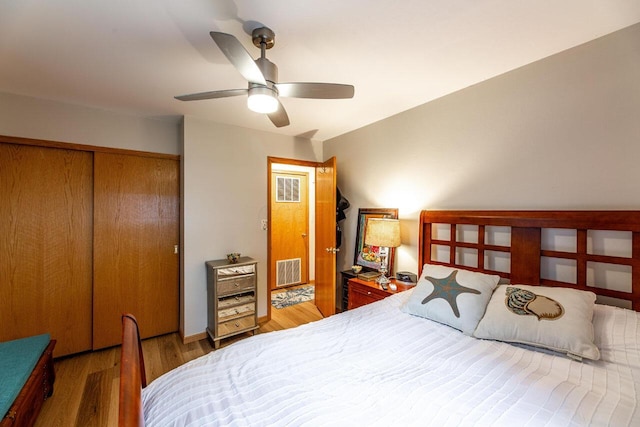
(346, 275)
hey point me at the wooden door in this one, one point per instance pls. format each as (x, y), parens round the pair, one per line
(326, 237)
(45, 245)
(136, 230)
(289, 228)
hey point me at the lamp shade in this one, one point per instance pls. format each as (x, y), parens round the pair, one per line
(383, 232)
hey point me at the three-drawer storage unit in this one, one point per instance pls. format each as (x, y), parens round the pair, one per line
(231, 298)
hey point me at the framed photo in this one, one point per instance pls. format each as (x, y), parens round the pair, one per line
(369, 256)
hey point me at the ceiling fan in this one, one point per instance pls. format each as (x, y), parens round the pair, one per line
(262, 74)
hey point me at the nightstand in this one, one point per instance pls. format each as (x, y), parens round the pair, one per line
(346, 275)
(363, 293)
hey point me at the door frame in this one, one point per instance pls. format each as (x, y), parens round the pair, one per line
(271, 161)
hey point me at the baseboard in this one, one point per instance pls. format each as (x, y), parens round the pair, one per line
(194, 338)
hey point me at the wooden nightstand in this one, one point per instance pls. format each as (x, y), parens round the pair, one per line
(363, 293)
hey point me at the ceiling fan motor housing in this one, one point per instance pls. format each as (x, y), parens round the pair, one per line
(269, 71)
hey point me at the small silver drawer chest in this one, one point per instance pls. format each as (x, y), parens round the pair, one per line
(231, 298)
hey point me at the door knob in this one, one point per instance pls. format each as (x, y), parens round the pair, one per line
(304, 234)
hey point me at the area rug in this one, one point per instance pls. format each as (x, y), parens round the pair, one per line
(292, 296)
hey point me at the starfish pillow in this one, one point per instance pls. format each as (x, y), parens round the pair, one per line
(453, 296)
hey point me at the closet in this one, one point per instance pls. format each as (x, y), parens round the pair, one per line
(135, 245)
(46, 211)
(86, 233)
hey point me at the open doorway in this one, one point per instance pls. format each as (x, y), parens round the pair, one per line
(301, 235)
(292, 234)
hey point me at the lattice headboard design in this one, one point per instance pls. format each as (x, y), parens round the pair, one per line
(526, 254)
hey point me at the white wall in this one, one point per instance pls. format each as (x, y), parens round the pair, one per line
(27, 117)
(224, 198)
(561, 133)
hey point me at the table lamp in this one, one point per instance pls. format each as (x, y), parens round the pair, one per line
(384, 233)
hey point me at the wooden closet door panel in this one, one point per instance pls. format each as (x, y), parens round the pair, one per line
(136, 225)
(45, 245)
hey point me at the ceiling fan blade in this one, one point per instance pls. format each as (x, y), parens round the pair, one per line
(280, 117)
(212, 95)
(239, 57)
(315, 90)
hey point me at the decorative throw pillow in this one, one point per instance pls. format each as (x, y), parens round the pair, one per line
(558, 319)
(452, 296)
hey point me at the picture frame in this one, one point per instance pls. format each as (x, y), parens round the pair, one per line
(366, 256)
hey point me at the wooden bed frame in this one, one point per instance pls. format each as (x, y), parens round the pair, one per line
(525, 254)
(132, 375)
(39, 386)
(526, 251)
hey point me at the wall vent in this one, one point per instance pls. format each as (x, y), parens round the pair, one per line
(288, 189)
(288, 272)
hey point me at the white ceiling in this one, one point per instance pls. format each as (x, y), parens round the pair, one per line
(134, 56)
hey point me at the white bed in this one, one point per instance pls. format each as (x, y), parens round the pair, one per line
(378, 365)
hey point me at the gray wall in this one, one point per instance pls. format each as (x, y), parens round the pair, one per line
(561, 133)
(35, 118)
(224, 198)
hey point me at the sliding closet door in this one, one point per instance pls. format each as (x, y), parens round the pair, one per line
(136, 231)
(45, 245)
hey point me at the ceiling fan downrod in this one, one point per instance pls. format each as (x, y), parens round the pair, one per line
(264, 38)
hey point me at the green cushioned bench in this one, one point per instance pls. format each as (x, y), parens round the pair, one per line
(26, 378)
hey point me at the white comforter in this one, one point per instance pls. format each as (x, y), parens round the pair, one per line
(377, 366)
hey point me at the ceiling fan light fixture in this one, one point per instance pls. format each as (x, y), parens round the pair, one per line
(262, 100)
(264, 89)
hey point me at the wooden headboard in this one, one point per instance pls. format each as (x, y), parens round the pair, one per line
(526, 251)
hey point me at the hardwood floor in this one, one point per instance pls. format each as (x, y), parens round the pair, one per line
(86, 387)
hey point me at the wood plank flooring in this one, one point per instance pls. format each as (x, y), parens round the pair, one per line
(86, 387)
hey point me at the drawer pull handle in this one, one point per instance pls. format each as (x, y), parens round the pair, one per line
(237, 325)
(368, 292)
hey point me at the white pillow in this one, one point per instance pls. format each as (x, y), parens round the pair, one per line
(559, 319)
(452, 296)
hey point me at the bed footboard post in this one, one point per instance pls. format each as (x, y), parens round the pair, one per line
(132, 375)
